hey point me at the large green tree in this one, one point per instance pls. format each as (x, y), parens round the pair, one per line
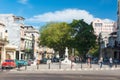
(56, 36)
(83, 36)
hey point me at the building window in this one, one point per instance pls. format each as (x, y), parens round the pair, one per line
(98, 24)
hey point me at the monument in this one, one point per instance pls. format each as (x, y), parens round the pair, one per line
(66, 60)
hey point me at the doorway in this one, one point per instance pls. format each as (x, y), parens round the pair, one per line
(115, 55)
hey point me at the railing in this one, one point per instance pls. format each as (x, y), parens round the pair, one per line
(115, 45)
(3, 40)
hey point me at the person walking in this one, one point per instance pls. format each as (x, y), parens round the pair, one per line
(111, 62)
(89, 62)
(101, 62)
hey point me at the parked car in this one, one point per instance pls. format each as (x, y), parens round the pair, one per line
(95, 60)
(8, 64)
(116, 61)
(17, 62)
(43, 61)
(22, 63)
(55, 59)
(105, 60)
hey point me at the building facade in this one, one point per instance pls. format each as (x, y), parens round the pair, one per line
(115, 38)
(6, 51)
(3, 42)
(113, 47)
(118, 22)
(33, 42)
(38, 52)
(18, 41)
(103, 30)
(13, 26)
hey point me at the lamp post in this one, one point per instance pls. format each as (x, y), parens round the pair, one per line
(33, 43)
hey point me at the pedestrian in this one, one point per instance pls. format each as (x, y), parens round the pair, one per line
(101, 62)
(89, 61)
(111, 62)
(80, 59)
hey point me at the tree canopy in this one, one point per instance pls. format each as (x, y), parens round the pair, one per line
(55, 35)
(84, 37)
(78, 34)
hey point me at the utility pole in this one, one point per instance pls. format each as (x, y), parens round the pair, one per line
(100, 41)
(33, 44)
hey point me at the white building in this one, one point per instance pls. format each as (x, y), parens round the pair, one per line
(105, 28)
(39, 52)
(32, 43)
(113, 47)
(13, 26)
(6, 51)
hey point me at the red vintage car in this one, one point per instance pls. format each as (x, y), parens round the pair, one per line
(8, 64)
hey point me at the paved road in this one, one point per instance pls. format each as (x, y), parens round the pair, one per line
(69, 75)
(64, 74)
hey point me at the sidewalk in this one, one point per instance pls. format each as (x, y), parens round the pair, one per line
(56, 67)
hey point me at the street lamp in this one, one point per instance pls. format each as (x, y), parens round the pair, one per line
(33, 43)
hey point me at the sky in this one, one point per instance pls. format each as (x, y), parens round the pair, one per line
(39, 12)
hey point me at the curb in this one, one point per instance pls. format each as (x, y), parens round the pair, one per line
(84, 69)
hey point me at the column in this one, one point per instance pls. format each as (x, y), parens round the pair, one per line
(19, 56)
(3, 54)
(14, 54)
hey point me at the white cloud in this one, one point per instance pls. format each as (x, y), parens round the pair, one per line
(23, 1)
(107, 20)
(66, 15)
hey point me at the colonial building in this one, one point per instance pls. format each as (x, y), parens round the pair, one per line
(113, 47)
(13, 26)
(103, 30)
(114, 41)
(6, 51)
(3, 42)
(34, 33)
(23, 40)
(38, 52)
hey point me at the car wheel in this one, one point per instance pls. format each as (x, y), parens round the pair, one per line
(3, 67)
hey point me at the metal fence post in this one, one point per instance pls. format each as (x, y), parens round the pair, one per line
(90, 64)
(37, 66)
(19, 65)
(25, 67)
(81, 64)
(48, 65)
(59, 64)
(71, 65)
(115, 65)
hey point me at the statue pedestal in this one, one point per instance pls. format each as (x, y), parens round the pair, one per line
(66, 60)
(34, 62)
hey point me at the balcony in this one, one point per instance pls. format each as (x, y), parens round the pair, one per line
(3, 41)
(110, 46)
(26, 37)
(115, 45)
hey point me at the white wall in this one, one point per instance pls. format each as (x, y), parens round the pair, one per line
(13, 29)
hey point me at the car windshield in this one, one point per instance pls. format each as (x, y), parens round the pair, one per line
(9, 61)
